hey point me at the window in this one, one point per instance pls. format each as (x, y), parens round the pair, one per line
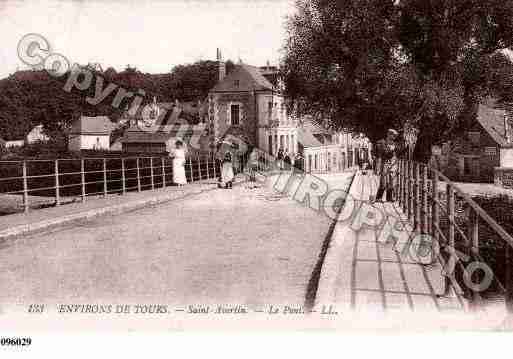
(467, 165)
(235, 115)
(316, 162)
(309, 162)
(236, 83)
(270, 108)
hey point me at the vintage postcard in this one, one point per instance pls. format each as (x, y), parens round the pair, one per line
(285, 165)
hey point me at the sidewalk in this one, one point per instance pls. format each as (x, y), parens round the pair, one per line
(366, 279)
(18, 224)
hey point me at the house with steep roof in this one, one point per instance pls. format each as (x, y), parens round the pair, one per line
(486, 147)
(90, 133)
(246, 105)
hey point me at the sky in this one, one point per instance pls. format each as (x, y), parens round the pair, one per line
(153, 35)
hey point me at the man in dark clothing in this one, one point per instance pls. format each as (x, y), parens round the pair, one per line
(280, 158)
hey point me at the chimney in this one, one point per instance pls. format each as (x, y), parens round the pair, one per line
(221, 65)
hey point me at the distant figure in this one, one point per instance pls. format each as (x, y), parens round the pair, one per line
(280, 158)
(299, 162)
(227, 174)
(287, 161)
(253, 165)
(179, 164)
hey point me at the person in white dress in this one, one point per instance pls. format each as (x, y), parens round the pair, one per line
(179, 164)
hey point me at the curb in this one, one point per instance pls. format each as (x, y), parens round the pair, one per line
(31, 228)
(312, 291)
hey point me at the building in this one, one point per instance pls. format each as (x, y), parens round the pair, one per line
(484, 151)
(246, 105)
(320, 151)
(327, 151)
(90, 133)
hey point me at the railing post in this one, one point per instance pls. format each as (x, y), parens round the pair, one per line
(138, 175)
(215, 165)
(105, 186)
(435, 211)
(123, 175)
(199, 167)
(450, 213)
(163, 163)
(400, 183)
(408, 189)
(190, 169)
(473, 252)
(57, 189)
(417, 201)
(151, 174)
(425, 195)
(405, 187)
(208, 168)
(82, 179)
(25, 188)
(508, 279)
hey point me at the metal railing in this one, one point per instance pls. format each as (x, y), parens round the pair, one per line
(457, 229)
(37, 181)
(52, 182)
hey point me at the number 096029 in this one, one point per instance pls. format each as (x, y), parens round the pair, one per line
(15, 341)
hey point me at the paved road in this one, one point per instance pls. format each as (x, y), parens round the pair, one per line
(240, 246)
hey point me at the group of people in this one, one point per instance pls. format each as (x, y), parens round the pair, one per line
(179, 177)
(227, 158)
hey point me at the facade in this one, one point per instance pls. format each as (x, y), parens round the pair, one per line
(320, 151)
(90, 133)
(246, 105)
(327, 151)
(483, 150)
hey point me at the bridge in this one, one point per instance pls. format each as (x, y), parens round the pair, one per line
(259, 245)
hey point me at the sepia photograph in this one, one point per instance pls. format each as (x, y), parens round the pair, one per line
(341, 166)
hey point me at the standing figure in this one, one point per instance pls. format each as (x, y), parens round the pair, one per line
(299, 162)
(280, 158)
(287, 161)
(227, 174)
(387, 153)
(179, 164)
(253, 165)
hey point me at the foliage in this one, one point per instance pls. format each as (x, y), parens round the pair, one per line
(30, 98)
(367, 65)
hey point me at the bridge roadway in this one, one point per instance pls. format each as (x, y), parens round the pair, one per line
(241, 246)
